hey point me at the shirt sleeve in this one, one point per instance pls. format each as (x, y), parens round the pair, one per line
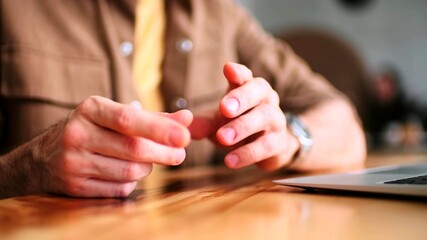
(298, 86)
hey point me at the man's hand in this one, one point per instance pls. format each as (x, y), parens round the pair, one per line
(104, 148)
(249, 122)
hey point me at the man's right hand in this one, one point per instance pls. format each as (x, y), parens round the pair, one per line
(103, 148)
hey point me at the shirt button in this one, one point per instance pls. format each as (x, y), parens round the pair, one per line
(126, 48)
(136, 104)
(181, 103)
(184, 45)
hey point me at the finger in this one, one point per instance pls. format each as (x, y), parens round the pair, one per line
(185, 117)
(128, 120)
(114, 145)
(274, 163)
(264, 117)
(237, 74)
(266, 146)
(116, 170)
(89, 187)
(245, 97)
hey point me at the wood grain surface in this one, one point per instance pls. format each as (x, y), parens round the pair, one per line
(217, 203)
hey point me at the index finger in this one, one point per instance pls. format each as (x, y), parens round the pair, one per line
(130, 121)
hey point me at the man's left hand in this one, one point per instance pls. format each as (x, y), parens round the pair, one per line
(249, 122)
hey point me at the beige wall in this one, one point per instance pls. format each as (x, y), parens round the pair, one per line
(389, 31)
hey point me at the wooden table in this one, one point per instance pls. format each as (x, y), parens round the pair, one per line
(216, 203)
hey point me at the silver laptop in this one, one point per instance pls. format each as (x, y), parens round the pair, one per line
(410, 180)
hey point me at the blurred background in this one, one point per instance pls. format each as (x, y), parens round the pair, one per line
(375, 51)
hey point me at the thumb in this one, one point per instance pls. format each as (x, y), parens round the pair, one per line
(237, 74)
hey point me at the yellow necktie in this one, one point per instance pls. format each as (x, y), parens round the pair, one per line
(149, 51)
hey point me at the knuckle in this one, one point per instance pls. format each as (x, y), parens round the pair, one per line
(82, 108)
(131, 171)
(241, 126)
(135, 147)
(242, 94)
(87, 105)
(73, 134)
(263, 83)
(268, 112)
(250, 155)
(124, 120)
(69, 164)
(73, 187)
(267, 146)
(275, 116)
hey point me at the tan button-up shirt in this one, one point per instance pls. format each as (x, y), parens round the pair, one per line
(54, 54)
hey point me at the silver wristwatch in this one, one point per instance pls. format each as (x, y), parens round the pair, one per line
(300, 131)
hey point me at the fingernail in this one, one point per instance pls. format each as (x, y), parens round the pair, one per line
(232, 104)
(228, 134)
(232, 160)
(180, 156)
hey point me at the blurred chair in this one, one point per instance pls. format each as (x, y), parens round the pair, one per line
(335, 59)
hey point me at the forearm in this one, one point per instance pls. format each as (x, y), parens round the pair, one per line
(338, 139)
(19, 172)
(22, 169)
